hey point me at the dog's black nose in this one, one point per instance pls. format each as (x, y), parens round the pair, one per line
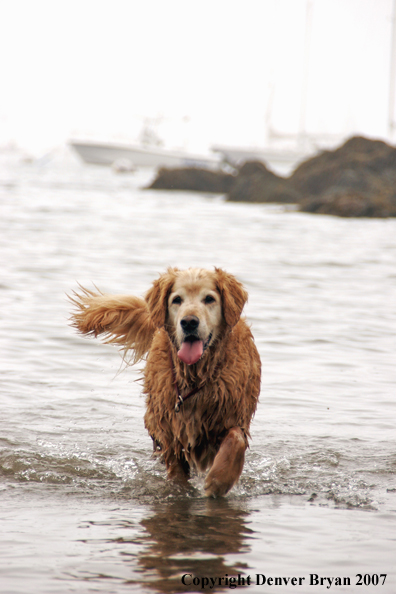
(189, 324)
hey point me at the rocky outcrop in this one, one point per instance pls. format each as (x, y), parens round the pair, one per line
(193, 179)
(356, 180)
(256, 183)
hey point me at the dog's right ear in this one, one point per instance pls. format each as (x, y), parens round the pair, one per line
(157, 296)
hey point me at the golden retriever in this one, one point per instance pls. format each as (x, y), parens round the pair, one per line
(202, 372)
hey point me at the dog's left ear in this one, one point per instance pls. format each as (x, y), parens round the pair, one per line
(157, 296)
(233, 296)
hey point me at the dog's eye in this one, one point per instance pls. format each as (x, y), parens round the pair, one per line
(209, 299)
(177, 300)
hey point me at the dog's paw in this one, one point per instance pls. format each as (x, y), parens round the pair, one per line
(215, 487)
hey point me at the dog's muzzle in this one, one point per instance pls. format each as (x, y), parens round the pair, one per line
(192, 347)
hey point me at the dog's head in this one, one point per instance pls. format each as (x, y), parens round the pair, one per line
(195, 305)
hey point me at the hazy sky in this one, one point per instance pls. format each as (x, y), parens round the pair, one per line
(215, 71)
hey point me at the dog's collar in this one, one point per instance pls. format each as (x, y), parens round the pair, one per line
(181, 399)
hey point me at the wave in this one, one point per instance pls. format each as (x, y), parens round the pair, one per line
(321, 477)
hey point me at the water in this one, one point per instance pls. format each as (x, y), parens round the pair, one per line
(83, 507)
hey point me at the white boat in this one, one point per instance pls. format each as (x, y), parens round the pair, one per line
(107, 153)
(282, 160)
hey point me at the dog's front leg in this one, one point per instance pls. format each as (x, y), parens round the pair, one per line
(177, 469)
(228, 464)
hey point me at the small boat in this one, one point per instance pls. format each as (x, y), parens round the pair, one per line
(107, 153)
(281, 160)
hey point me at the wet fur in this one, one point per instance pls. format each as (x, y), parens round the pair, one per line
(211, 429)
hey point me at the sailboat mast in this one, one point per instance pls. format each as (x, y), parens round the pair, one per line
(392, 76)
(302, 132)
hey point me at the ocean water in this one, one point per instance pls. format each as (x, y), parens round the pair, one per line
(83, 506)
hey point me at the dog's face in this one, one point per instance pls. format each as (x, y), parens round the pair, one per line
(195, 305)
(194, 313)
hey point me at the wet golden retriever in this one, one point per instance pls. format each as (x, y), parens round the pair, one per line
(202, 372)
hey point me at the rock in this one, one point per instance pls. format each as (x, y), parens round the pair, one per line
(359, 157)
(253, 167)
(256, 183)
(193, 179)
(356, 180)
(349, 203)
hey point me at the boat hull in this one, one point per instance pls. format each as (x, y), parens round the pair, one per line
(108, 154)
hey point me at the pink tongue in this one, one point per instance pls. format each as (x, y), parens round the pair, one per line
(191, 352)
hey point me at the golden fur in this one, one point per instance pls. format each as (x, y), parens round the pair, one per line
(190, 310)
